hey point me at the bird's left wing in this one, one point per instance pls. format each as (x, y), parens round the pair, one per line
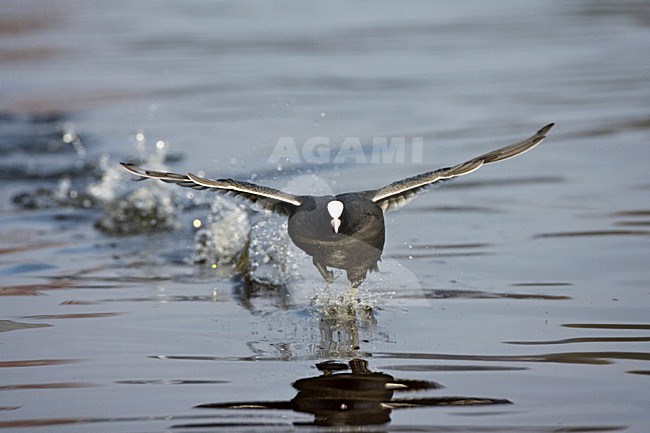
(402, 191)
(268, 198)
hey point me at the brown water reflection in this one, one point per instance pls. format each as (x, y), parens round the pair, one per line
(593, 358)
(476, 294)
(583, 340)
(34, 289)
(628, 326)
(10, 325)
(61, 385)
(589, 233)
(71, 316)
(35, 362)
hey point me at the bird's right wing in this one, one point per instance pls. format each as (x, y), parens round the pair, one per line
(402, 191)
(268, 198)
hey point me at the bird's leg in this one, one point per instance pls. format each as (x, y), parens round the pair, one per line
(326, 273)
(356, 278)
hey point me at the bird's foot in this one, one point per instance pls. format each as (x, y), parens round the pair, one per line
(356, 282)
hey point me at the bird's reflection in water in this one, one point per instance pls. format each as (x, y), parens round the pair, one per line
(344, 394)
(354, 395)
(351, 398)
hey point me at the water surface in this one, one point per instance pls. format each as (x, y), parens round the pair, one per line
(515, 299)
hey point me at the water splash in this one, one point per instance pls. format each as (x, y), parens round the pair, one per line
(90, 181)
(145, 210)
(224, 237)
(150, 208)
(341, 300)
(64, 195)
(69, 136)
(273, 260)
(255, 245)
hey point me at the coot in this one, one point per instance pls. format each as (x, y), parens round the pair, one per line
(345, 231)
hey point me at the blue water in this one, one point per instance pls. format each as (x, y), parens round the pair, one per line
(526, 281)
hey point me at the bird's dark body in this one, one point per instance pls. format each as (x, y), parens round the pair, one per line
(357, 246)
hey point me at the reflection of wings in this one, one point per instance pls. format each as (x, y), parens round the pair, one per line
(402, 191)
(268, 198)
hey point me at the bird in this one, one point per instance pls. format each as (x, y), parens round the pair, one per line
(344, 231)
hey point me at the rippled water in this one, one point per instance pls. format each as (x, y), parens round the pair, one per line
(515, 299)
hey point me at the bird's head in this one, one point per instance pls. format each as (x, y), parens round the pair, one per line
(335, 209)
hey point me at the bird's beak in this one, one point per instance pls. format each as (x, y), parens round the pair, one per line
(336, 223)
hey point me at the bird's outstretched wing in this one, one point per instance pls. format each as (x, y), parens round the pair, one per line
(402, 191)
(268, 198)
